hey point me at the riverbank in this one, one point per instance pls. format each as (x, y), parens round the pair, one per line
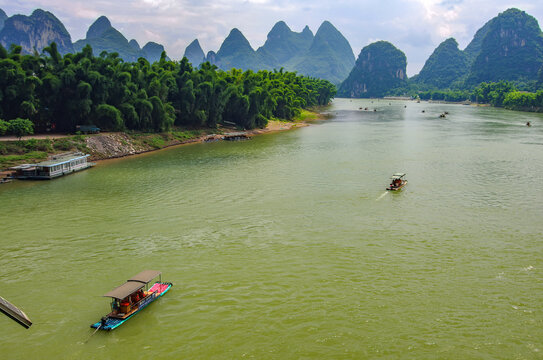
(111, 145)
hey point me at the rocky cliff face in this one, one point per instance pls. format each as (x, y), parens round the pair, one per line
(446, 65)
(380, 67)
(512, 49)
(194, 53)
(35, 32)
(3, 18)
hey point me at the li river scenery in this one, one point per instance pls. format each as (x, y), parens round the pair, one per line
(288, 246)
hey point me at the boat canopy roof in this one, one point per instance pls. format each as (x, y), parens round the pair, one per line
(145, 276)
(126, 289)
(397, 176)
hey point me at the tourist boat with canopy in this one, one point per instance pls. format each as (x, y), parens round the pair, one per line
(397, 182)
(132, 297)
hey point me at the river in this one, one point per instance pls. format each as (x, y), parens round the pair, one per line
(287, 246)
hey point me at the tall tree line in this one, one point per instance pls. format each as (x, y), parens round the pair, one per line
(59, 92)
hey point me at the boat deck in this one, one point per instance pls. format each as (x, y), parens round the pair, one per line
(157, 290)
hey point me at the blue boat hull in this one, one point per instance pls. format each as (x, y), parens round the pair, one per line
(112, 323)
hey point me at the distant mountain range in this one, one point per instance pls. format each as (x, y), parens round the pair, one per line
(41, 28)
(326, 55)
(508, 47)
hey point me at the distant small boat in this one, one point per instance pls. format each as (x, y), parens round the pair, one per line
(132, 297)
(397, 182)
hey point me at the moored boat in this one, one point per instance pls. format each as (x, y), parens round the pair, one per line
(56, 166)
(132, 297)
(397, 182)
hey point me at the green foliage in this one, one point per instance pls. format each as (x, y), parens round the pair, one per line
(512, 49)
(10, 160)
(155, 141)
(526, 101)
(446, 65)
(108, 116)
(63, 144)
(440, 95)
(20, 127)
(59, 92)
(492, 93)
(3, 127)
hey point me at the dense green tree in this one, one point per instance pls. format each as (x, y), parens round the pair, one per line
(4, 125)
(59, 92)
(492, 93)
(20, 127)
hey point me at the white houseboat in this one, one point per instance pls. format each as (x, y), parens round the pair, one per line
(58, 165)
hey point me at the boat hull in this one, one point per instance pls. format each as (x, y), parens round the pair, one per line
(396, 188)
(113, 323)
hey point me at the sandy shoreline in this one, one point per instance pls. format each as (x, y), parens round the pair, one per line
(273, 126)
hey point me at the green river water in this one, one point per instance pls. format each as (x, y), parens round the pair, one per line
(287, 246)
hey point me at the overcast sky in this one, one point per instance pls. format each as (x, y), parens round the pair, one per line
(414, 26)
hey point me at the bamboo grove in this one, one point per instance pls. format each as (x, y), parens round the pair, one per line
(59, 92)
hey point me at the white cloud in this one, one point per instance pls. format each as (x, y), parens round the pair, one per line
(414, 26)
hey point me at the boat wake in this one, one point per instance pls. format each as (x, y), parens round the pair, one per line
(382, 196)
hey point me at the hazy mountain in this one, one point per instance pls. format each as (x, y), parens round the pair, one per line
(153, 51)
(446, 65)
(194, 53)
(284, 44)
(379, 68)
(329, 57)
(3, 18)
(326, 55)
(236, 52)
(211, 57)
(102, 36)
(98, 28)
(135, 45)
(35, 32)
(512, 49)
